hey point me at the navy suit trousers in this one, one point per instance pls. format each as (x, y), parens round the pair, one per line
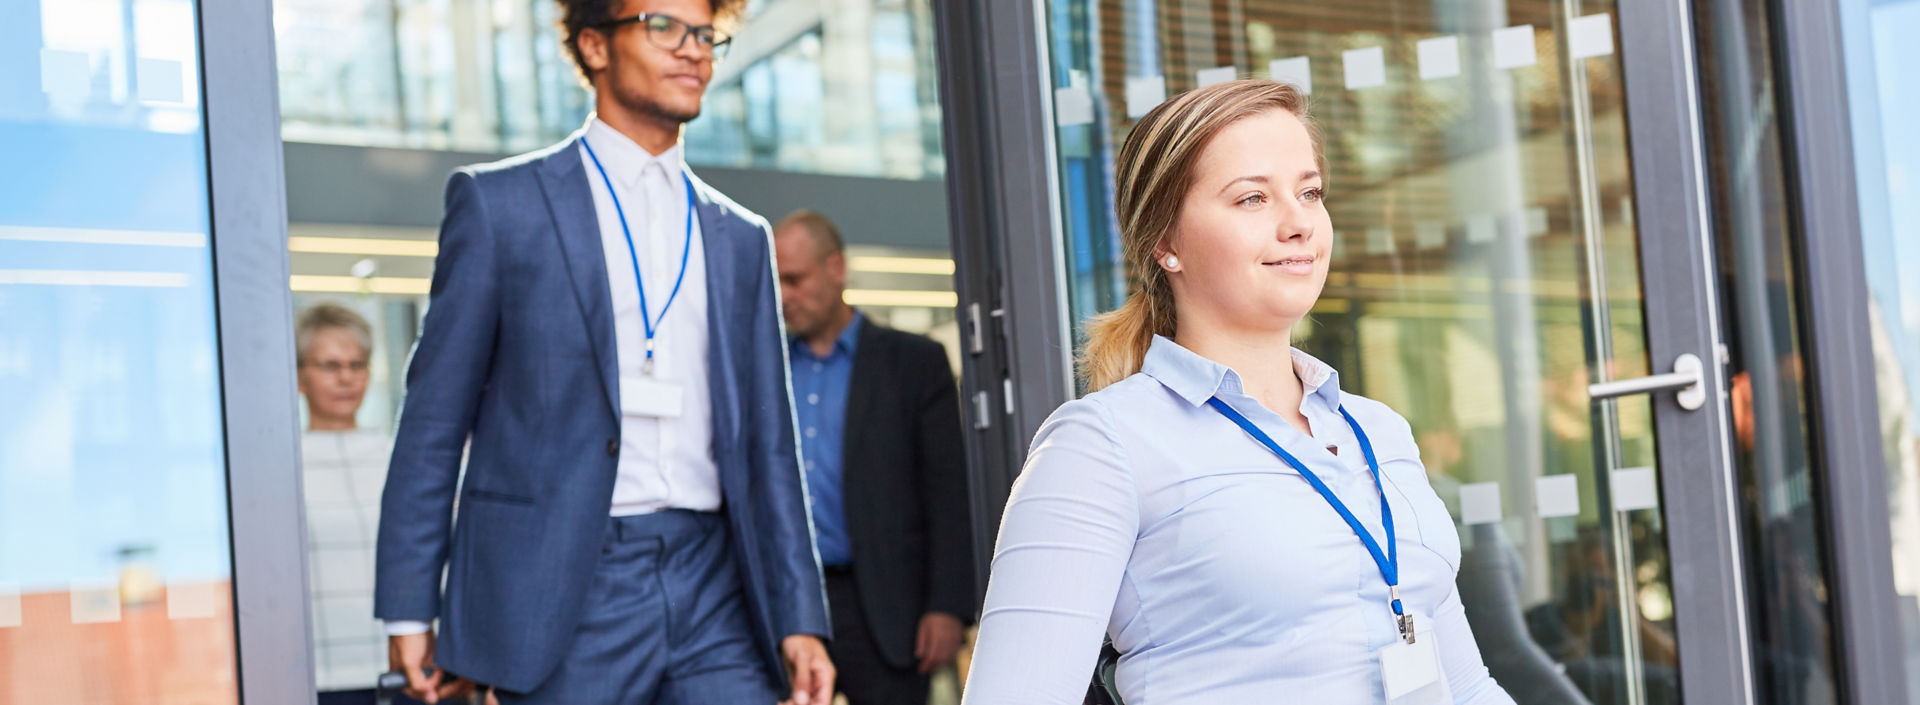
(665, 623)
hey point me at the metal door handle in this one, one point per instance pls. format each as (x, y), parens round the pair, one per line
(1685, 378)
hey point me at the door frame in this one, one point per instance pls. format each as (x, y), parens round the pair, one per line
(1816, 126)
(254, 320)
(1680, 310)
(1002, 194)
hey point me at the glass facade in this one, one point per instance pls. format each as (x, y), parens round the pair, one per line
(1883, 97)
(115, 568)
(1485, 272)
(1761, 292)
(491, 76)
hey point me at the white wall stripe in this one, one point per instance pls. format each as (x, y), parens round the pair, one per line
(67, 277)
(152, 238)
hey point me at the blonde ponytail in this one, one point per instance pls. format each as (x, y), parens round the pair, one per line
(1117, 340)
(1153, 172)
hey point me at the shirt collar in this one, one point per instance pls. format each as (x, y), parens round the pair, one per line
(626, 161)
(848, 342)
(1197, 379)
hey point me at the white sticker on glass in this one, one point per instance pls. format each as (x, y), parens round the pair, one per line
(1590, 36)
(65, 75)
(1513, 47)
(1480, 503)
(1379, 241)
(1143, 93)
(1217, 74)
(192, 600)
(1365, 68)
(1429, 235)
(95, 603)
(1634, 488)
(1439, 57)
(9, 604)
(161, 81)
(1557, 496)
(1072, 105)
(1482, 229)
(1295, 70)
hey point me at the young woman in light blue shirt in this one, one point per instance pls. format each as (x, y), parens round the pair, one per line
(1245, 531)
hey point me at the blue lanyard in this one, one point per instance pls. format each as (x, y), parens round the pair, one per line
(646, 317)
(1389, 561)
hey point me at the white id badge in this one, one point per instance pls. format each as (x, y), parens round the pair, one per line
(1411, 672)
(641, 395)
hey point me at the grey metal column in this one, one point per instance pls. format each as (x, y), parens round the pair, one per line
(255, 321)
(1845, 423)
(1677, 272)
(999, 149)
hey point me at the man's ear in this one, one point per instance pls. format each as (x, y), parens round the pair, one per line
(595, 51)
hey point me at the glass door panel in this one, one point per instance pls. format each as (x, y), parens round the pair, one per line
(116, 577)
(1487, 271)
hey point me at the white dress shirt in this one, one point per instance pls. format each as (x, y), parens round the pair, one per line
(665, 463)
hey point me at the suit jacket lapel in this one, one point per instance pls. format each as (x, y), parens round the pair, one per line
(576, 224)
(869, 359)
(724, 284)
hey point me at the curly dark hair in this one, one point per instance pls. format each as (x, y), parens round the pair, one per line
(577, 16)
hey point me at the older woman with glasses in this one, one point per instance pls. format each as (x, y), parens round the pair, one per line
(343, 468)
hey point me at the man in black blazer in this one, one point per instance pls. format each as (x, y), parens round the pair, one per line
(880, 441)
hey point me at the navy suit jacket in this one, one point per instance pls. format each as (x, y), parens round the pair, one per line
(517, 357)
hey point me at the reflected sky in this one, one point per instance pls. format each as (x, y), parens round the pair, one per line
(110, 436)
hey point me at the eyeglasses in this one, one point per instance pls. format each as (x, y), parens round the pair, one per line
(670, 33)
(334, 367)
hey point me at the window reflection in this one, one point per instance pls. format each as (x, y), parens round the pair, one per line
(1883, 98)
(115, 580)
(850, 92)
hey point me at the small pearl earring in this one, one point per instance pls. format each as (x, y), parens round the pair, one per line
(1173, 262)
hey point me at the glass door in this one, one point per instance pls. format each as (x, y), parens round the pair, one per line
(1519, 269)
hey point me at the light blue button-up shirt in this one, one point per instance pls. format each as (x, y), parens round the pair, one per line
(820, 386)
(1220, 573)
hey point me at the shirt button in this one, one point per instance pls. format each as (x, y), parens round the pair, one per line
(613, 448)
(816, 367)
(810, 433)
(813, 398)
(809, 465)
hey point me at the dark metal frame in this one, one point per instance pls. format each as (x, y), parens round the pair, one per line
(255, 323)
(999, 146)
(1694, 448)
(1868, 644)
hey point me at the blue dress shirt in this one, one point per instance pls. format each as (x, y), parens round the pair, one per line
(1220, 573)
(820, 397)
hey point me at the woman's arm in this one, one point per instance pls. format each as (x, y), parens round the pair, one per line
(1064, 542)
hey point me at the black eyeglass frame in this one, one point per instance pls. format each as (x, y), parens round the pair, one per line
(718, 40)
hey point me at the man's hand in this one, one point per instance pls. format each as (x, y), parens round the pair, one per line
(412, 654)
(810, 668)
(938, 641)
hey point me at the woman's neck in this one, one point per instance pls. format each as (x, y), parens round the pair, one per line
(331, 423)
(1262, 359)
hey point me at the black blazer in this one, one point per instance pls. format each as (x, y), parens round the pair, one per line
(903, 475)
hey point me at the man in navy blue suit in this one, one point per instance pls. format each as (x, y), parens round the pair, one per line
(604, 341)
